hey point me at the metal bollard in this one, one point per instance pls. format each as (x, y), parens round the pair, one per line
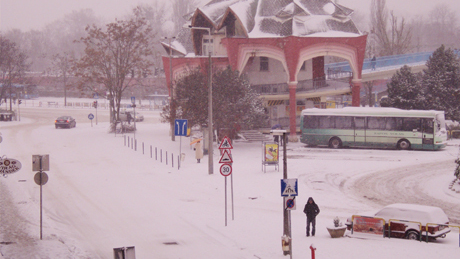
(313, 248)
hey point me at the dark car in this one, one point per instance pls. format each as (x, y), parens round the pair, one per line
(65, 122)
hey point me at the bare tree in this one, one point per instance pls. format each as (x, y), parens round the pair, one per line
(156, 16)
(443, 26)
(392, 36)
(114, 56)
(60, 67)
(180, 9)
(12, 68)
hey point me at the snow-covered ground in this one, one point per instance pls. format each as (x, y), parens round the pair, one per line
(103, 194)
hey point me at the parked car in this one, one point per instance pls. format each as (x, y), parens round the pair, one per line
(404, 221)
(65, 122)
(124, 116)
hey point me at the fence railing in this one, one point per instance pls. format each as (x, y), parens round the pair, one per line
(155, 153)
(381, 62)
(76, 105)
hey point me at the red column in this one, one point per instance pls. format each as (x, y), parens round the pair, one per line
(355, 90)
(318, 68)
(292, 112)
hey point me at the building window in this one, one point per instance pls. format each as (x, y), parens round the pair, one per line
(207, 46)
(263, 64)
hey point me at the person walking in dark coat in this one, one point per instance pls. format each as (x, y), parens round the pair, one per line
(373, 62)
(311, 210)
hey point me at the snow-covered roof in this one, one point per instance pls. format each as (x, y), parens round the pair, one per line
(268, 18)
(375, 111)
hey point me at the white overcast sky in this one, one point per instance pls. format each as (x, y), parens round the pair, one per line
(35, 14)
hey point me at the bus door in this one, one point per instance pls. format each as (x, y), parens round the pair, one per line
(428, 133)
(360, 131)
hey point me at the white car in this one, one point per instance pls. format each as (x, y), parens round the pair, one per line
(400, 220)
(124, 116)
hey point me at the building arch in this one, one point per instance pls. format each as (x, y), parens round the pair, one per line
(338, 50)
(250, 51)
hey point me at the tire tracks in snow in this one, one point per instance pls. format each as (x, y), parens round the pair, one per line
(406, 184)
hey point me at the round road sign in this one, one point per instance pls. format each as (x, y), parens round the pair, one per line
(90, 116)
(290, 203)
(41, 178)
(226, 169)
(9, 166)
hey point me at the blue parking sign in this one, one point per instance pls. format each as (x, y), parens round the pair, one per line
(180, 127)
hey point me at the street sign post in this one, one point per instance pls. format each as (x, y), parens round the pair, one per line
(226, 158)
(290, 203)
(91, 117)
(41, 163)
(289, 187)
(226, 170)
(180, 129)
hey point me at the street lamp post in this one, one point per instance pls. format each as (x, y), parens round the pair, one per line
(210, 135)
(172, 104)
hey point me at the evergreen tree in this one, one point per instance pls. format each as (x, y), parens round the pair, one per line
(404, 91)
(235, 104)
(441, 81)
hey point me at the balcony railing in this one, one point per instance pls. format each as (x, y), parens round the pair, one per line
(381, 62)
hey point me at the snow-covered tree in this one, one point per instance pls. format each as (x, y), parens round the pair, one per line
(404, 91)
(441, 81)
(235, 104)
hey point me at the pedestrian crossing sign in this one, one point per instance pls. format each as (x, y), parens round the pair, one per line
(289, 187)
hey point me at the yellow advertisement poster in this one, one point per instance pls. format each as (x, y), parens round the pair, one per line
(271, 153)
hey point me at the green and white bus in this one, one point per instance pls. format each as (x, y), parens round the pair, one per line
(374, 127)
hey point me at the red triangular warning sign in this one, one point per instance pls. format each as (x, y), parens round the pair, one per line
(225, 144)
(226, 158)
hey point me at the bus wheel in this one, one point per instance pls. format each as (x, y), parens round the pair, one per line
(335, 143)
(404, 144)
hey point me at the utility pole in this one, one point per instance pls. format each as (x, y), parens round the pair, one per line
(172, 104)
(210, 161)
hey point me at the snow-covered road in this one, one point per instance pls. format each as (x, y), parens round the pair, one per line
(103, 194)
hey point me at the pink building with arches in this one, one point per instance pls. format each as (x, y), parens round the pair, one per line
(282, 46)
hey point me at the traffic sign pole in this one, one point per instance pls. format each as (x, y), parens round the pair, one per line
(180, 129)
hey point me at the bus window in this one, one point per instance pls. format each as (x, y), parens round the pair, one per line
(310, 122)
(411, 124)
(359, 122)
(326, 122)
(427, 126)
(344, 122)
(390, 124)
(376, 123)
